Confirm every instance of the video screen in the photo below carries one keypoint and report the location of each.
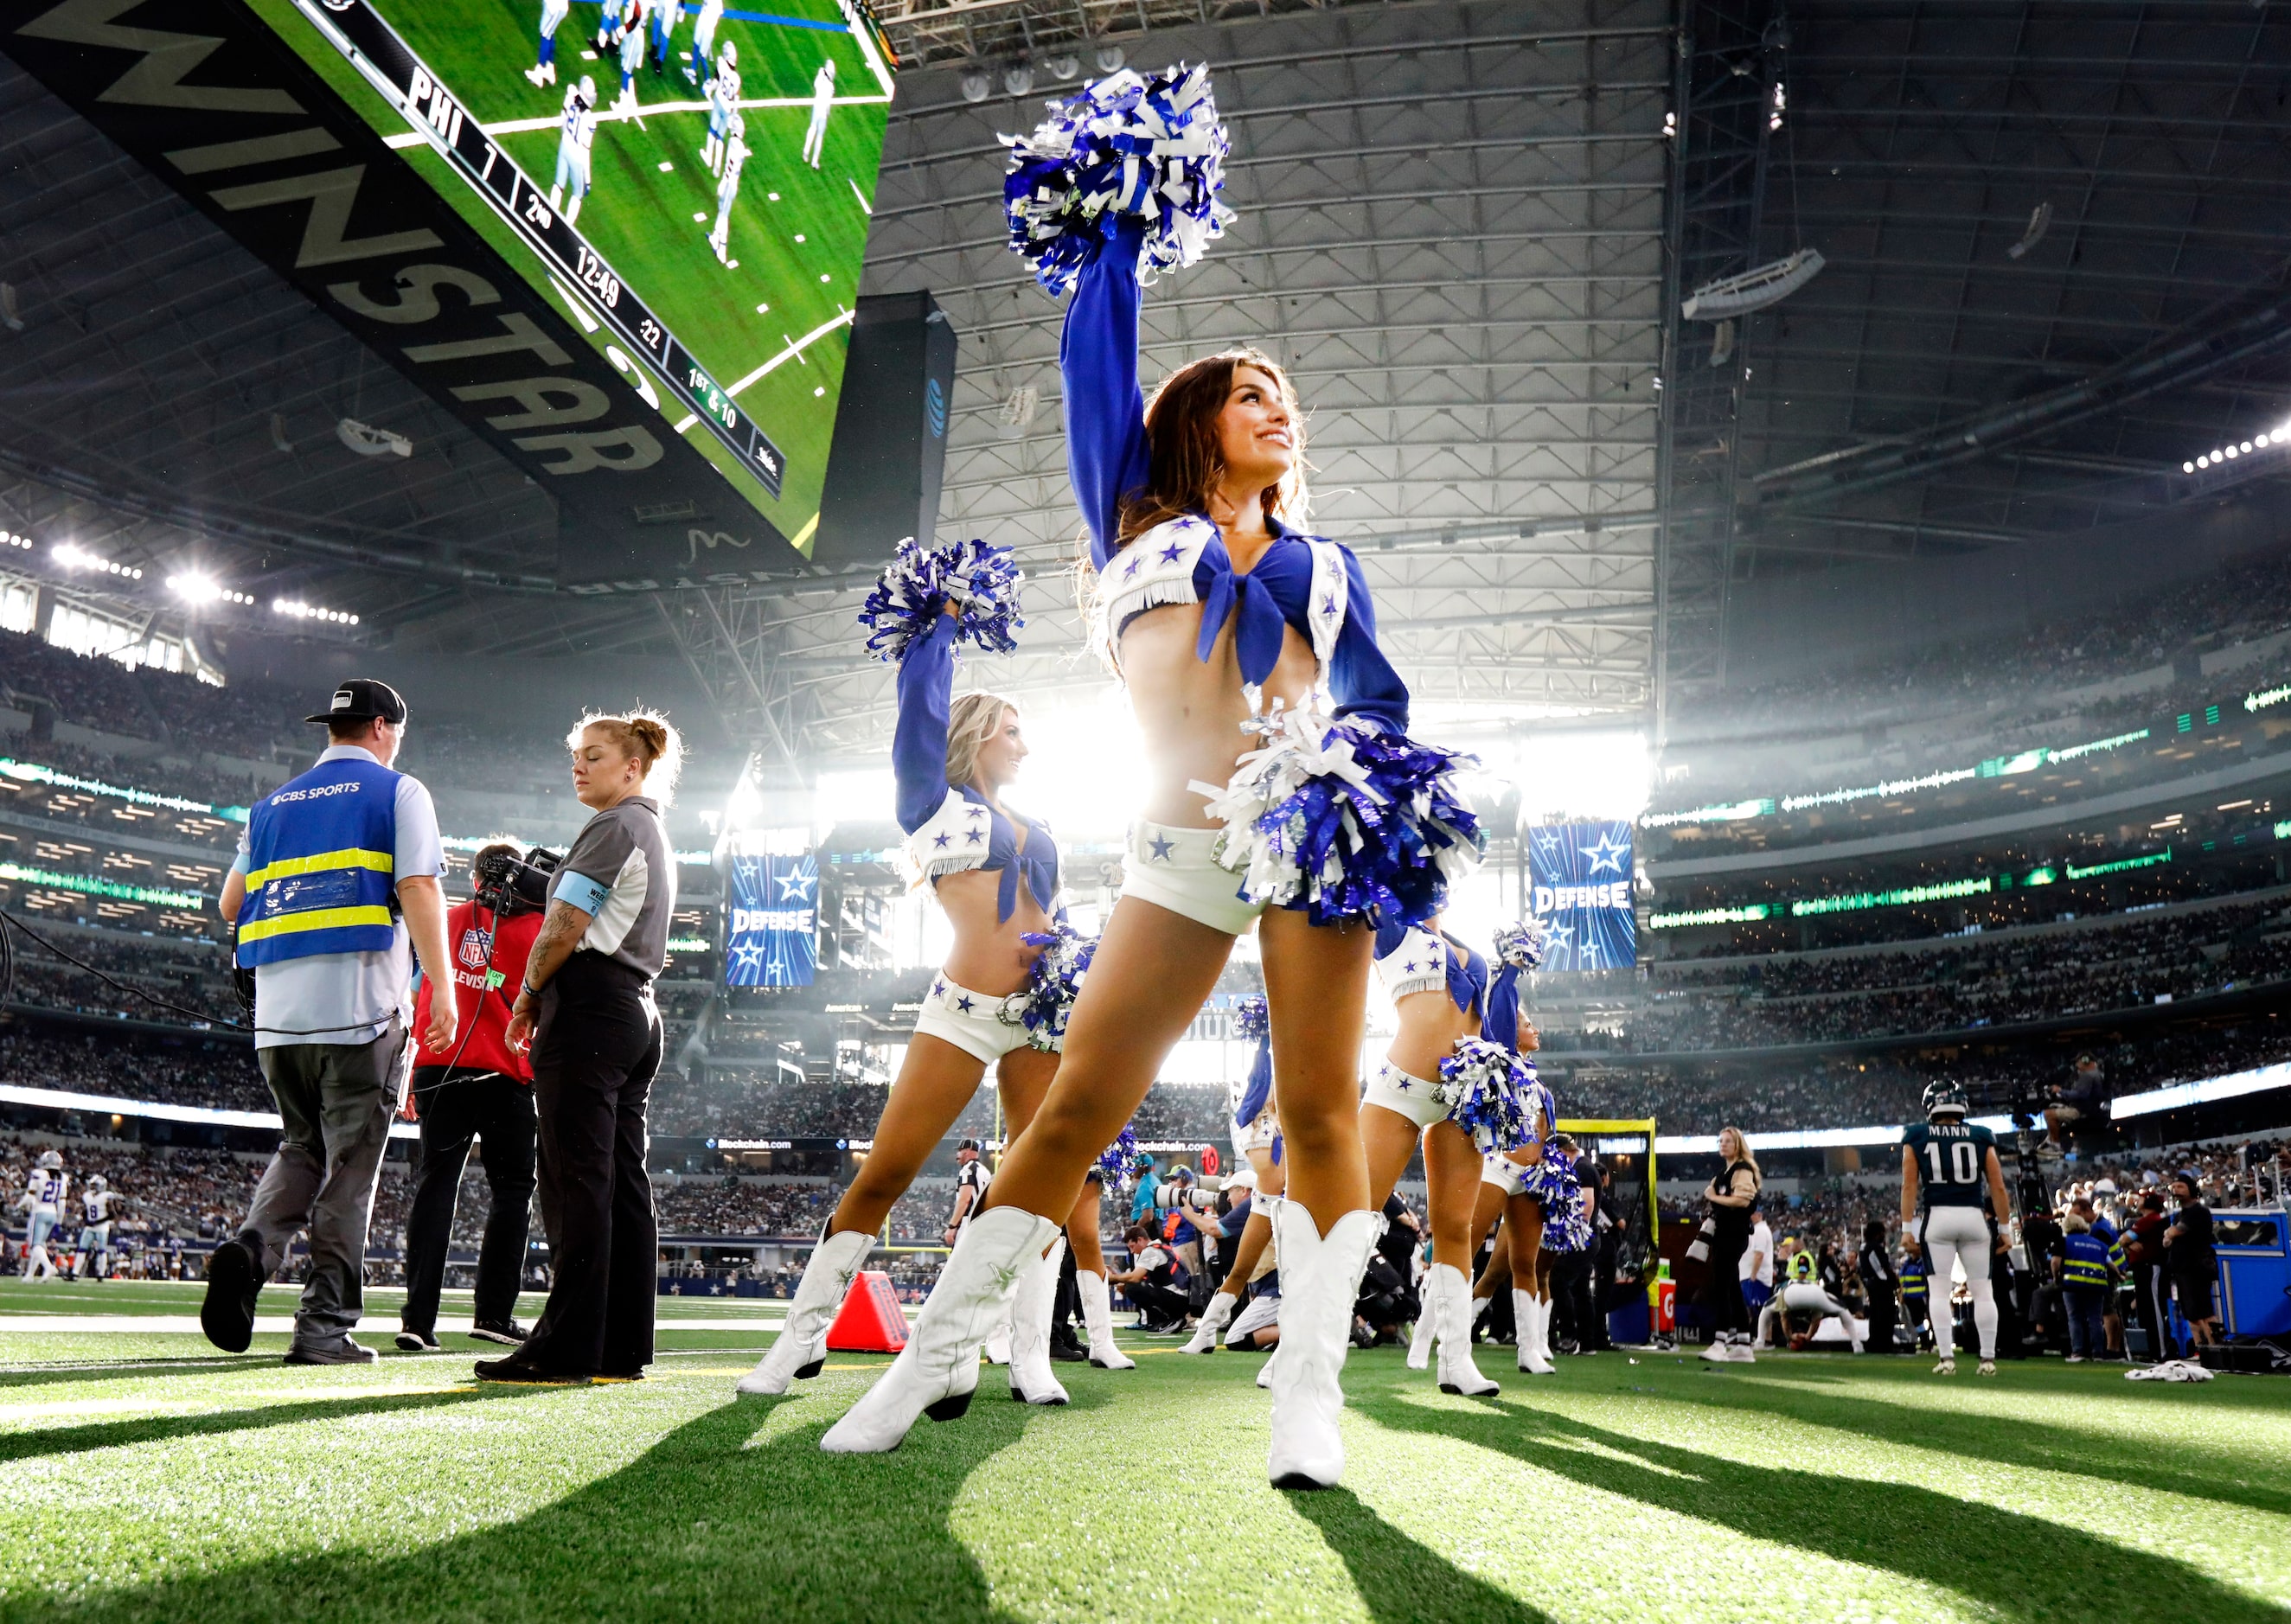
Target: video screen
(691, 183)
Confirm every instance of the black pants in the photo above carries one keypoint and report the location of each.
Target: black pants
(593, 1063)
(1722, 1291)
(1161, 1305)
(454, 1110)
(1572, 1314)
(1882, 1321)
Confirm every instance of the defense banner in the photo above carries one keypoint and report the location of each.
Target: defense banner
(771, 937)
(1580, 876)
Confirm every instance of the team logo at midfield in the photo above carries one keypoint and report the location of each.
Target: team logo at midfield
(476, 947)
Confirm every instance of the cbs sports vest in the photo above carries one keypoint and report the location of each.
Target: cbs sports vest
(321, 850)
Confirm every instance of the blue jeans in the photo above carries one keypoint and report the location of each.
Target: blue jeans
(2086, 1336)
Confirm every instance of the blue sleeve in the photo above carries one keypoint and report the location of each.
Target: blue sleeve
(919, 743)
(1502, 1025)
(1105, 409)
(1361, 677)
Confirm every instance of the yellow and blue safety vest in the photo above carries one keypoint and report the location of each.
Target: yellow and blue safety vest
(2083, 1261)
(320, 854)
(1913, 1280)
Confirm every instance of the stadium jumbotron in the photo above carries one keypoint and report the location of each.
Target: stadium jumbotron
(1510, 780)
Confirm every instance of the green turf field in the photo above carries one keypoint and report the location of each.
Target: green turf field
(153, 1479)
(797, 234)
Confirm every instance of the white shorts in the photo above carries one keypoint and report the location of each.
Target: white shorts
(1805, 1297)
(1421, 1100)
(1172, 868)
(969, 1020)
(1258, 1135)
(1502, 1174)
(1963, 1231)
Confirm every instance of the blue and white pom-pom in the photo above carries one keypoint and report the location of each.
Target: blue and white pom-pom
(1117, 1165)
(1489, 1086)
(1127, 144)
(1046, 1003)
(1521, 946)
(1252, 1019)
(1357, 823)
(980, 581)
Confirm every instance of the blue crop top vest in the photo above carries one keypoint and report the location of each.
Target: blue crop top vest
(950, 828)
(1314, 585)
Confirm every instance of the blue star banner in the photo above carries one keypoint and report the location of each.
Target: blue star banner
(772, 935)
(1580, 880)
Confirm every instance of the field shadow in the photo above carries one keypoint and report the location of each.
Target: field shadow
(79, 1437)
(124, 1370)
(2154, 1463)
(1400, 1580)
(2016, 1566)
(705, 1525)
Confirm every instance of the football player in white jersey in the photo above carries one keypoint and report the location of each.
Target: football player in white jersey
(578, 135)
(628, 42)
(552, 13)
(666, 15)
(94, 1244)
(822, 101)
(728, 189)
(723, 103)
(43, 1199)
(703, 40)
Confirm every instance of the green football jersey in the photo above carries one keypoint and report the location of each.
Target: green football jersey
(1952, 1161)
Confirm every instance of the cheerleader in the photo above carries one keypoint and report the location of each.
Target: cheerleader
(1001, 998)
(1083, 1230)
(1534, 1191)
(1257, 1142)
(1424, 1089)
(1231, 628)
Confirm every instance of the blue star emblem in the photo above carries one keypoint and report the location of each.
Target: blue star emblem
(1131, 568)
(796, 885)
(1329, 605)
(1406, 1083)
(1408, 967)
(1163, 846)
(938, 989)
(941, 840)
(973, 838)
(1608, 853)
(1170, 553)
(964, 1003)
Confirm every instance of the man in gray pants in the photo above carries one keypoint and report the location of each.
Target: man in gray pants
(337, 877)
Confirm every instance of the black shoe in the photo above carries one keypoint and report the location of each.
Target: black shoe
(418, 1342)
(1064, 1347)
(234, 1281)
(515, 1370)
(341, 1350)
(508, 1333)
(603, 1377)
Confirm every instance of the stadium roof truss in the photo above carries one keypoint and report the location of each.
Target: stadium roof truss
(1466, 225)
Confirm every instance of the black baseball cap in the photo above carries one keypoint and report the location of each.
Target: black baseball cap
(362, 699)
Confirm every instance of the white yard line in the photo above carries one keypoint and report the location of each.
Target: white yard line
(608, 115)
(181, 1324)
(795, 349)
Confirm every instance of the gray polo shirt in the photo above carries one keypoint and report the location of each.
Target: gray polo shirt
(349, 998)
(621, 873)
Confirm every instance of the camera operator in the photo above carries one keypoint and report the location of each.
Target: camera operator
(1150, 1283)
(477, 1086)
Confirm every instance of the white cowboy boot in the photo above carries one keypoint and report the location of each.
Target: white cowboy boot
(1320, 1280)
(1527, 1311)
(1097, 1318)
(937, 1371)
(998, 1338)
(1032, 1379)
(1213, 1320)
(802, 1345)
(1449, 1292)
(1420, 1340)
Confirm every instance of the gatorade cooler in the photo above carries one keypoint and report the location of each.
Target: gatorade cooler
(1663, 1294)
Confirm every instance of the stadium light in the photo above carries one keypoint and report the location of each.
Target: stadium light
(194, 588)
(11, 539)
(72, 556)
(294, 608)
(976, 85)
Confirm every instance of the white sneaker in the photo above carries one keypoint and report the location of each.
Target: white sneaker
(1743, 1351)
(1947, 1367)
(1987, 1367)
(1719, 1351)
(1213, 1320)
(2076, 1359)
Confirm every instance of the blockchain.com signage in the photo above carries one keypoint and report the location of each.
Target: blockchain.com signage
(772, 936)
(1580, 877)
